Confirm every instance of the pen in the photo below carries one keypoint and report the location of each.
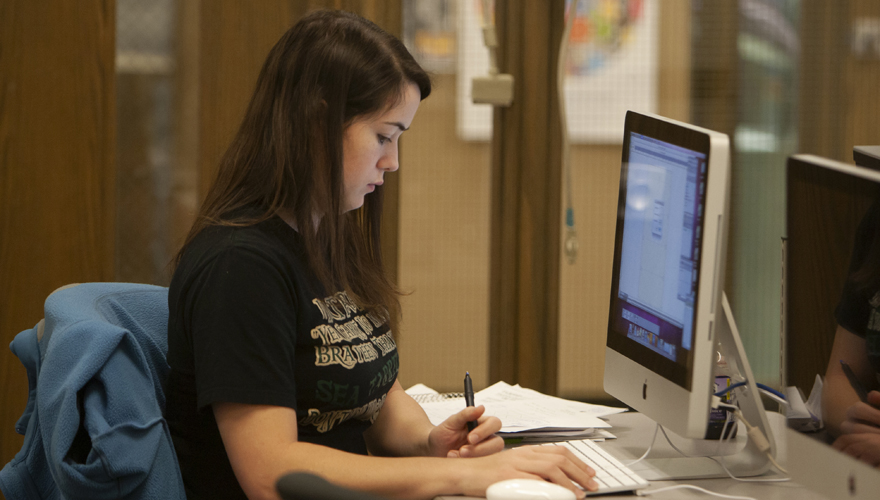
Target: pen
(854, 382)
(469, 398)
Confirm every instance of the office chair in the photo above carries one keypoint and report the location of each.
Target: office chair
(93, 424)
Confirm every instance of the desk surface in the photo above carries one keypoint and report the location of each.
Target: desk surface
(634, 432)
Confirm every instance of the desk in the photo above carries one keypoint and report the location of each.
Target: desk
(634, 431)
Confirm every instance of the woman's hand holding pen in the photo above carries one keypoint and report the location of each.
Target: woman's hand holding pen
(452, 438)
(860, 431)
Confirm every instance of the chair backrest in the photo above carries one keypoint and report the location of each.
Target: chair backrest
(96, 427)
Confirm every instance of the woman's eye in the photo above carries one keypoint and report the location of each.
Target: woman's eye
(383, 139)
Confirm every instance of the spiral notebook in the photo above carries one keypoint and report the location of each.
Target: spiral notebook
(437, 397)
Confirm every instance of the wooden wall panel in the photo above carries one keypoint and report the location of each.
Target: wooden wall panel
(839, 104)
(862, 96)
(57, 145)
(235, 38)
(526, 193)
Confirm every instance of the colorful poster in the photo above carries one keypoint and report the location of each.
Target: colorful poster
(611, 67)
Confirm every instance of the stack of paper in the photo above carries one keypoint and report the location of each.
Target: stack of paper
(524, 413)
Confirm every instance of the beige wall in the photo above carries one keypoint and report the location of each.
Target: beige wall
(444, 248)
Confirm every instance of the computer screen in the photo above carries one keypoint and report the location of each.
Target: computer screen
(660, 254)
(667, 274)
(828, 205)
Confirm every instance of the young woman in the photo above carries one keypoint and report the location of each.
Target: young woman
(281, 316)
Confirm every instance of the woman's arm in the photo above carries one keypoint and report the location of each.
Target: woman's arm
(403, 429)
(838, 396)
(262, 445)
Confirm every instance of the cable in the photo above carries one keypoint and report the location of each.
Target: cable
(754, 434)
(571, 243)
(771, 390)
(650, 446)
(644, 493)
(763, 387)
(759, 440)
(730, 388)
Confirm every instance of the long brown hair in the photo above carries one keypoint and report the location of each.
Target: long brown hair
(327, 70)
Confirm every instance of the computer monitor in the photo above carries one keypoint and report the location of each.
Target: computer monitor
(826, 202)
(668, 270)
(667, 312)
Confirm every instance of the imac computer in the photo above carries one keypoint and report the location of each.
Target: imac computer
(668, 317)
(826, 202)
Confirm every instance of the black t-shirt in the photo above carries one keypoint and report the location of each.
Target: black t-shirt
(250, 323)
(859, 310)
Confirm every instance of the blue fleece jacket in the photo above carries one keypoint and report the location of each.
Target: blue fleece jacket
(93, 424)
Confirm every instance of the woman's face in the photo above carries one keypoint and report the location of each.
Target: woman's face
(369, 147)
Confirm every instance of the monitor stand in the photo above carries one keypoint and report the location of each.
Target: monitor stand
(740, 455)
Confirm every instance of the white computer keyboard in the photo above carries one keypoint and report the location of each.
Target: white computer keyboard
(611, 475)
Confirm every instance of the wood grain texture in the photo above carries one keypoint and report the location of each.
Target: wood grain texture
(821, 126)
(57, 145)
(234, 40)
(526, 192)
(839, 105)
(824, 211)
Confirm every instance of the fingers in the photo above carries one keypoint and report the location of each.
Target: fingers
(853, 427)
(865, 447)
(558, 464)
(493, 444)
(468, 414)
(486, 428)
(862, 417)
(453, 440)
(482, 440)
(874, 398)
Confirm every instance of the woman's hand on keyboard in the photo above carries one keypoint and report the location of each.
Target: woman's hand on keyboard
(552, 463)
(452, 439)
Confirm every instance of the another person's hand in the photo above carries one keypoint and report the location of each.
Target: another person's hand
(551, 463)
(452, 438)
(865, 447)
(863, 418)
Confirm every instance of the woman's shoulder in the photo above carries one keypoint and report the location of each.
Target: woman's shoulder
(271, 239)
